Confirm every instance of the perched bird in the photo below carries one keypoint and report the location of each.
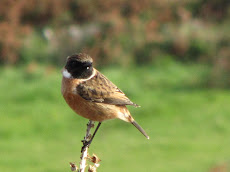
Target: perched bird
(91, 95)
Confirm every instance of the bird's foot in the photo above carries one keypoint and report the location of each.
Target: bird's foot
(85, 145)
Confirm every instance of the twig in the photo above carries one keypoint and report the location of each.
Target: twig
(85, 147)
(84, 153)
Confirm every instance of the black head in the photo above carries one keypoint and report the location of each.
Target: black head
(79, 66)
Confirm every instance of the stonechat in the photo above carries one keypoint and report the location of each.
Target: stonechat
(91, 95)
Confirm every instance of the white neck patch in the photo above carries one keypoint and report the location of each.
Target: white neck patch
(66, 74)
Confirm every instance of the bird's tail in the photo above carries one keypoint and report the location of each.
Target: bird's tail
(140, 129)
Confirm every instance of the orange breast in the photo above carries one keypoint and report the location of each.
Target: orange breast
(90, 110)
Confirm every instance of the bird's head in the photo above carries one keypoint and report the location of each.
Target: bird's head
(78, 66)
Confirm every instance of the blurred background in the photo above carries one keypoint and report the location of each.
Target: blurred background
(170, 57)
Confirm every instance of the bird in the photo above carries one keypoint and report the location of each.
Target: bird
(91, 95)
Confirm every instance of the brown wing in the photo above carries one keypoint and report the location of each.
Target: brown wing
(99, 89)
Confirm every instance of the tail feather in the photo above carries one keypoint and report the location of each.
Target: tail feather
(140, 129)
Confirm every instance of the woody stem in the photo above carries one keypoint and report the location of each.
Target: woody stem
(84, 149)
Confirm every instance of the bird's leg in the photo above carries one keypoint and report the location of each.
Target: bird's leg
(87, 143)
(98, 125)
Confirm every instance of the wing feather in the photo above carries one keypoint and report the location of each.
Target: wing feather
(101, 90)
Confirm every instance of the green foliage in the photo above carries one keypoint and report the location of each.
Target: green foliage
(187, 125)
(35, 48)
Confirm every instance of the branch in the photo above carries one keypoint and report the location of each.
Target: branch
(85, 148)
(84, 153)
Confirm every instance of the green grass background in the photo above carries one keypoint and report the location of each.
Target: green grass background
(188, 125)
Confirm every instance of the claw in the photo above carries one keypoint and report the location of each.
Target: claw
(85, 144)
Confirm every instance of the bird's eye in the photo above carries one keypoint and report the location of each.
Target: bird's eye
(87, 67)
